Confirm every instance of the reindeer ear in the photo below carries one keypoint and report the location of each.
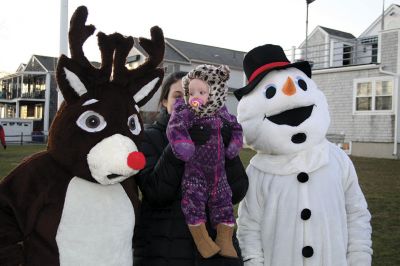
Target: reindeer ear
(69, 83)
(151, 84)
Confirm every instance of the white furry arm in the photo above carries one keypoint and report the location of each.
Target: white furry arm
(359, 249)
(251, 212)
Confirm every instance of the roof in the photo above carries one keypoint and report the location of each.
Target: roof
(206, 53)
(186, 52)
(173, 55)
(338, 33)
(50, 63)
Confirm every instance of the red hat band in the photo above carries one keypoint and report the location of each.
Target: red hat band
(265, 67)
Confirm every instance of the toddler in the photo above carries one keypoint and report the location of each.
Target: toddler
(204, 180)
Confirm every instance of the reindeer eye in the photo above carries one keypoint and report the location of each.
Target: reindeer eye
(91, 121)
(134, 124)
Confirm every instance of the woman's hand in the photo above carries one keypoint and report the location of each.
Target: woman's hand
(199, 134)
(226, 132)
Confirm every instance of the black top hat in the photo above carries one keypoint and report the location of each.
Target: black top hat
(261, 60)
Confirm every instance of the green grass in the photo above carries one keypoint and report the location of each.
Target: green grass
(378, 178)
(14, 154)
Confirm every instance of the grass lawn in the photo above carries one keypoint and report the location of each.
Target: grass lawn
(13, 155)
(378, 178)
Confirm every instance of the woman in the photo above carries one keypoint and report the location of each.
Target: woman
(162, 237)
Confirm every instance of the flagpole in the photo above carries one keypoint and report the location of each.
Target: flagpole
(63, 39)
(307, 2)
(383, 16)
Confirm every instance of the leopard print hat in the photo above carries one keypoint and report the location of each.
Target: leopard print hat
(216, 78)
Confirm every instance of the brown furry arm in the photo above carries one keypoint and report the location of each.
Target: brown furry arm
(11, 235)
(22, 195)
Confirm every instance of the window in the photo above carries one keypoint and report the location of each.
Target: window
(38, 111)
(374, 95)
(347, 51)
(24, 112)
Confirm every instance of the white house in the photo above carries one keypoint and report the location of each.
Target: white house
(30, 92)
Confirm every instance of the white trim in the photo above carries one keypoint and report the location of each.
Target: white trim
(17, 112)
(363, 34)
(345, 69)
(46, 106)
(379, 59)
(40, 63)
(15, 100)
(327, 60)
(373, 81)
(177, 50)
(311, 34)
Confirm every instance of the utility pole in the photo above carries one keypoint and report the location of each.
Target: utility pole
(308, 2)
(63, 39)
(383, 16)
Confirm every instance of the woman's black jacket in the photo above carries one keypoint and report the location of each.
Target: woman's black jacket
(161, 235)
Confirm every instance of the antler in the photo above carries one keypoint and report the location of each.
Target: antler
(78, 34)
(154, 47)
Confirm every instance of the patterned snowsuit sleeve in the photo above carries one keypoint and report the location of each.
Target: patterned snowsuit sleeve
(236, 142)
(177, 131)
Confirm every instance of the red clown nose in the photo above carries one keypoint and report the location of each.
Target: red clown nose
(136, 160)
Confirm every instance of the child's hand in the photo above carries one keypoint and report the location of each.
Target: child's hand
(199, 134)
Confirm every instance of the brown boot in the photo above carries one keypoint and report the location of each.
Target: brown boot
(224, 241)
(205, 245)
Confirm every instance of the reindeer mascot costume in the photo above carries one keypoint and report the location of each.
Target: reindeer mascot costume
(304, 206)
(75, 203)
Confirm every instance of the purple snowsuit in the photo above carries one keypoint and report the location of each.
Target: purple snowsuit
(204, 180)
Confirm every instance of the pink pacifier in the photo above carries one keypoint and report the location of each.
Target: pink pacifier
(196, 102)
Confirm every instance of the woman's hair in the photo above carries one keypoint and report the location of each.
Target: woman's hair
(166, 86)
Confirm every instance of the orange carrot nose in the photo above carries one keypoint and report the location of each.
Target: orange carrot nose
(289, 88)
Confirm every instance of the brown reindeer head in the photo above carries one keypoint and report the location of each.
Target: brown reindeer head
(96, 133)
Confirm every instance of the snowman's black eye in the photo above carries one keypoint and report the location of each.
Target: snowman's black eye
(270, 91)
(302, 84)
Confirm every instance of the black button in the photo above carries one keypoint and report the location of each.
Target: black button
(302, 177)
(307, 252)
(305, 214)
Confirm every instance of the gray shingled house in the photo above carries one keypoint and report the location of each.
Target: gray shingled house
(360, 78)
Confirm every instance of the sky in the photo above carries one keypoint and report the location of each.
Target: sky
(30, 27)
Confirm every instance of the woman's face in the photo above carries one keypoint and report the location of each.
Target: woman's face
(175, 91)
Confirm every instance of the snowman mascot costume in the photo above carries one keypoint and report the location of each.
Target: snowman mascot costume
(304, 206)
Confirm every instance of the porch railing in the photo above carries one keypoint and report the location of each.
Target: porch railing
(337, 53)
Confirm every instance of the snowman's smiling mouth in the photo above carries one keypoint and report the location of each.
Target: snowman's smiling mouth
(292, 117)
